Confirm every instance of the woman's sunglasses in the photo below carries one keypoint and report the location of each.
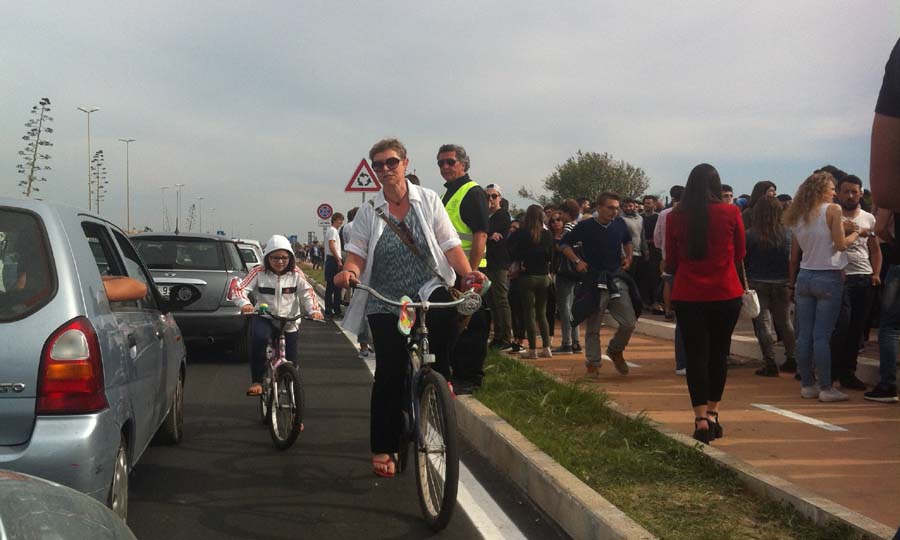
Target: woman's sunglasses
(391, 163)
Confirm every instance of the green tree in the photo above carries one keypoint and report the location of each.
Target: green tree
(588, 174)
(31, 155)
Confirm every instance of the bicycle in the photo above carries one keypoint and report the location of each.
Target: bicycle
(429, 419)
(282, 401)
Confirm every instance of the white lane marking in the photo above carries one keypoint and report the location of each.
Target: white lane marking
(489, 519)
(799, 417)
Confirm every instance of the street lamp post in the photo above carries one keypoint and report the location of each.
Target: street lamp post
(178, 204)
(88, 113)
(200, 208)
(165, 210)
(127, 186)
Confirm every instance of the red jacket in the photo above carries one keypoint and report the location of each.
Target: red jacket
(715, 277)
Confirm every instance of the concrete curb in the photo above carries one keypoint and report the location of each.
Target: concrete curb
(818, 509)
(572, 504)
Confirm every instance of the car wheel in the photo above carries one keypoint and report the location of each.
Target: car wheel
(172, 429)
(118, 488)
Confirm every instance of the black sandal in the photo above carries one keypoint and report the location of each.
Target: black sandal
(715, 428)
(701, 434)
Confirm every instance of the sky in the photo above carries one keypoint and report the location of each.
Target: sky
(264, 109)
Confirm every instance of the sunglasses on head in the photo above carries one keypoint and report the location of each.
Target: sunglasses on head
(448, 162)
(391, 163)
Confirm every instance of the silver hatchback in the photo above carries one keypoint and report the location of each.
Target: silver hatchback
(87, 376)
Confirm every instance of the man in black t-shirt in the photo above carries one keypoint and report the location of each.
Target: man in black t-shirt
(467, 207)
(603, 240)
(498, 269)
(884, 171)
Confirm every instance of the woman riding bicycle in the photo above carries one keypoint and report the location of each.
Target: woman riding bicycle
(386, 261)
(279, 283)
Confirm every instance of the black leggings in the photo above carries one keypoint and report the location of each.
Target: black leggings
(385, 425)
(707, 329)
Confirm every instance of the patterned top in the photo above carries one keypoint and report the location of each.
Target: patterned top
(396, 271)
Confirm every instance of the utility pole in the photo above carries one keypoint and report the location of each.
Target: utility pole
(200, 209)
(178, 215)
(127, 186)
(165, 210)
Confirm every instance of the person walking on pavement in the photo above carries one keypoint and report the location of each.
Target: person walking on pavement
(466, 204)
(885, 178)
(380, 255)
(533, 250)
(822, 237)
(768, 256)
(565, 285)
(603, 240)
(861, 277)
(704, 248)
(498, 269)
(333, 264)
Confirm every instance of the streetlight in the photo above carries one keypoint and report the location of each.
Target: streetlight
(127, 187)
(200, 208)
(178, 198)
(88, 113)
(165, 211)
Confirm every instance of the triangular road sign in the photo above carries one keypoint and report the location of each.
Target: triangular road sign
(363, 179)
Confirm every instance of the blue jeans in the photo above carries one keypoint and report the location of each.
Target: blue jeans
(261, 333)
(889, 328)
(565, 295)
(818, 297)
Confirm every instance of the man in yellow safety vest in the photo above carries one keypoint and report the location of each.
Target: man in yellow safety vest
(466, 203)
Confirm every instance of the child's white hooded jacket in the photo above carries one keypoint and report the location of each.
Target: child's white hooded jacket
(283, 293)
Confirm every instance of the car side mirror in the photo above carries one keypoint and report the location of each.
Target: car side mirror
(123, 289)
(181, 296)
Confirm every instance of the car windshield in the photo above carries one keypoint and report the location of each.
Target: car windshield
(180, 253)
(248, 256)
(27, 279)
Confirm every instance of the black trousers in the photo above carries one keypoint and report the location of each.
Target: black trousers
(467, 358)
(851, 323)
(332, 292)
(389, 388)
(707, 329)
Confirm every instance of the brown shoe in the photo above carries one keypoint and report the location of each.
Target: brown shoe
(592, 370)
(619, 361)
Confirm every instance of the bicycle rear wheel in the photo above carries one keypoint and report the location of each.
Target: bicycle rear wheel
(437, 453)
(286, 407)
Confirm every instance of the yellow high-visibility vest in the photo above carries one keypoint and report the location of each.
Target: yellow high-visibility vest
(463, 230)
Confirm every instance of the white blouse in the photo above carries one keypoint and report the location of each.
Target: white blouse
(368, 227)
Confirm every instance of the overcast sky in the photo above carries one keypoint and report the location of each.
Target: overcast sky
(265, 108)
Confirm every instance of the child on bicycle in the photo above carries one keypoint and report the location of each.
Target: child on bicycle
(279, 283)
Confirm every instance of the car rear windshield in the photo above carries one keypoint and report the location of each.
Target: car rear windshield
(180, 253)
(28, 278)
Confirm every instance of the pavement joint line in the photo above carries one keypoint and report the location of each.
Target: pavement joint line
(486, 515)
(799, 417)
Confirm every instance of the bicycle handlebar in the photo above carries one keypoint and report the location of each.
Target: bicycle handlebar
(470, 301)
(269, 314)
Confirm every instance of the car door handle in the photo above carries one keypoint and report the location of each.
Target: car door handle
(132, 341)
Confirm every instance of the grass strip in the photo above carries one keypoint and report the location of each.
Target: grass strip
(674, 491)
(317, 274)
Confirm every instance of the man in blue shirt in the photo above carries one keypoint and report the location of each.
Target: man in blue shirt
(604, 239)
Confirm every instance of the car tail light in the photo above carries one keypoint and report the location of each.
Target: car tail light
(70, 380)
(232, 289)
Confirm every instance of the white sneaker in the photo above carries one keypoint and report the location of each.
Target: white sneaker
(832, 395)
(530, 353)
(545, 353)
(809, 392)
(682, 371)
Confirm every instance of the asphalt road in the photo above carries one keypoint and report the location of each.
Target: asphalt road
(227, 481)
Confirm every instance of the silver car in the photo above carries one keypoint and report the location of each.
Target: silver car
(87, 377)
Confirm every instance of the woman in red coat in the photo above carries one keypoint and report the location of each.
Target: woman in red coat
(705, 246)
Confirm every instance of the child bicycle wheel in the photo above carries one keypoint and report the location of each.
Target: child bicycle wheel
(286, 406)
(264, 402)
(437, 453)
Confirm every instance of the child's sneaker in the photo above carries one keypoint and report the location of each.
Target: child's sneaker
(831, 395)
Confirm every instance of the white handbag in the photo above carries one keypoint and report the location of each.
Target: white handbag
(749, 300)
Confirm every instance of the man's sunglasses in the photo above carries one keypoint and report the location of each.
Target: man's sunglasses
(448, 162)
(493, 195)
(391, 163)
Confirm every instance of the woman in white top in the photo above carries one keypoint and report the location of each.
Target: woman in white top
(382, 259)
(820, 238)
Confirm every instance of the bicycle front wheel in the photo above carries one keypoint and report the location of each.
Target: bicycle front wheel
(286, 406)
(437, 453)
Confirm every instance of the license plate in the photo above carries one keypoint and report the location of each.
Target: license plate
(163, 291)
